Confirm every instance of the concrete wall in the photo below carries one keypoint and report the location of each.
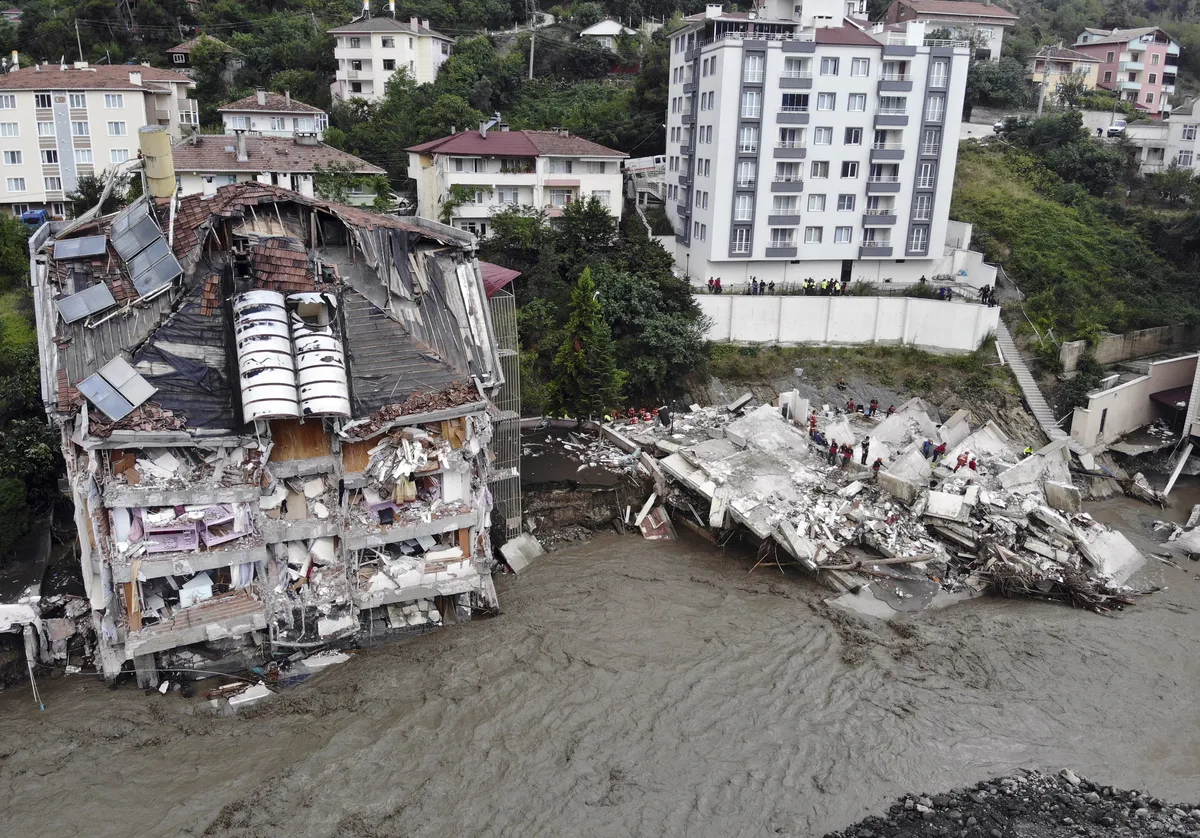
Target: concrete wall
(1112, 349)
(929, 324)
(1127, 406)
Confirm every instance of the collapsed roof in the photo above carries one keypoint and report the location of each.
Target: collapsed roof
(402, 300)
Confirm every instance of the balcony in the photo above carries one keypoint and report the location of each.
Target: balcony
(1131, 66)
(784, 183)
(747, 148)
(792, 115)
(883, 185)
(789, 220)
(682, 210)
(940, 80)
(687, 118)
(689, 86)
(871, 248)
(751, 113)
(926, 182)
(895, 83)
(685, 178)
(1129, 85)
(890, 116)
(353, 74)
(879, 217)
(795, 80)
(790, 151)
(1168, 89)
(752, 78)
(887, 151)
(931, 149)
(935, 116)
(781, 252)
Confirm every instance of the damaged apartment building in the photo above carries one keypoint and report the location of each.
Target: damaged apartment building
(276, 414)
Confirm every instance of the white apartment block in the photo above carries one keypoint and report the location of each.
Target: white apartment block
(798, 147)
(57, 125)
(501, 169)
(1171, 141)
(369, 51)
(273, 115)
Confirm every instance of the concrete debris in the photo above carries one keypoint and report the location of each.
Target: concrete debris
(918, 529)
(519, 552)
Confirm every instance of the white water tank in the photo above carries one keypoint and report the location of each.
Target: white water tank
(266, 368)
(320, 358)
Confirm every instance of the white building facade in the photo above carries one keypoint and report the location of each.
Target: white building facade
(1162, 143)
(500, 169)
(369, 51)
(58, 125)
(273, 115)
(801, 148)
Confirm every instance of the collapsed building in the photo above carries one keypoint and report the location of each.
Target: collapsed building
(276, 415)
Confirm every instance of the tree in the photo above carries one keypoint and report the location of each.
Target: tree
(586, 380)
(14, 514)
(586, 228)
(1071, 89)
(337, 181)
(14, 253)
(1173, 184)
(998, 84)
(584, 15)
(90, 188)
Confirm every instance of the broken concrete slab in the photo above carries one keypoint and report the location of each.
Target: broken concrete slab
(739, 403)
(1063, 497)
(1112, 554)
(250, 696)
(519, 552)
(955, 429)
(948, 507)
(899, 487)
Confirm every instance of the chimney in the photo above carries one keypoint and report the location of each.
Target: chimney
(453, 130)
(483, 129)
(413, 24)
(16, 59)
(210, 188)
(425, 23)
(262, 96)
(287, 98)
(239, 144)
(135, 77)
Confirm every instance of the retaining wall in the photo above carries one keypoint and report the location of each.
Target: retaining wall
(1112, 349)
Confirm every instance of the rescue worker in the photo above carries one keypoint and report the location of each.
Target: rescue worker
(962, 461)
(847, 455)
(973, 465)
(891, 409)
(1028, 452)
(866, 444)
(771, 287)
(710, 284)
(753, 287)
(850, 406)
(812, 422)
(833, 452)
(938, 453)
(927, 449)
(875, 466)
(874, 407)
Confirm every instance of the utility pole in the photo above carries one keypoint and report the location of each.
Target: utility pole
(1042, 87)
(531, 10)
(78, 42)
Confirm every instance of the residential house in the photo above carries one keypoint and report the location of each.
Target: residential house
(606, 32)
(370, 50)
(180, 57)
(273, 115)
(1053, 65)
(206, 162)
(1166, 142)
(800, 147)
(1139, 64)
(275, 417)
(58, 125)
(13, 16)
(499, 168)
(983, 24)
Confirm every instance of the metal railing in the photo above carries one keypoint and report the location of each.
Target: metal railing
(752, 113)
(753, 77)
(796, 74)
(745, 182)
(883, 179)
(759, 36)
(743, 215)
(895, 77)
(880, 211)
(947, 42)
(934, 116)
(931, 148)
(790, 144)
(748, 148)
(925, 182)
(887, 145)
(793, 109)
(788, 178)
(782, 243)
(876, 242)
(891, 111)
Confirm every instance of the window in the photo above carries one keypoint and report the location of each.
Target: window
(1189, 132)
(16, 184)
(752, 69)
(795, 103)
(8, 102)
(860, 67)
(849, 169)
(788, 172)
(796, 68)
(79, 129)
(812, 235)
(845, 203)
(1133, 76)
(791, 137)
(356, 87)
(278, 123)
(118, 155)
(19, 209)
(111, 100)
(78, 101)
(939, 73)
(748, 139)
(594, 167)
(53, 184)
(922, 207)
(934, 108)
(826, 101)
(560, 197)
(892, 104)
(783, 237)
(926, 177)
(387, 43)
(843, 235)
(822, 136)
(239, 123)
(355, 43)
(746, 173)
(743, 208)
(752, 104)
(858, 102)
(853, 136)
(741, 240)
(507, 195)
(829, 66)
(707, 162)
(10, 129)
(1110, 58)
(12, 158)
(179, 58)
(1108, 77)
(42, 100)
(1149, 98)
(557, 166)
(389, 64)
(1154, 62)
(412, 44)
(699, 231)
(931, 141)
(784, 205)
(1185, 158)
(356, 65)
(49, 156)
(58, 209)
(83, 155)
(604, 196)
(918, 240)
(1153, 77)
(820, 169)
(816, 203)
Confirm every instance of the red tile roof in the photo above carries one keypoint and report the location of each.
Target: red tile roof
(958, 7)
(279, 266)
(95, 77)
(215, 153)
(516, 144)
(276, 103)
(187, 46)
(845, 36)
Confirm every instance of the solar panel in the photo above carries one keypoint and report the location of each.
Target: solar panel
(137, 238)
(128, 216)
(102, 394)
(141, 263)
(86, 302)
(161, 273)
(80, 248)
(127, 381)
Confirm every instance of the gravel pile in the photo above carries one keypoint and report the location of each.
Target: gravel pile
(1033, 805)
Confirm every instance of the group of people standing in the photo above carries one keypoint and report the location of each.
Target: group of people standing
(844, 451)
(987, 296)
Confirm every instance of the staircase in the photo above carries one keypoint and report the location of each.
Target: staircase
(1033, 396)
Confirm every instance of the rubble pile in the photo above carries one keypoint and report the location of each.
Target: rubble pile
(1033, 804)
(896, 508)
(145, 417)
(587, 450)
(455, 395)
(183, 468)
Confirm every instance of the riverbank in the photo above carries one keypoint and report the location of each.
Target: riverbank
(637, 688)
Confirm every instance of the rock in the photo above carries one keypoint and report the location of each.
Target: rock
(1092, 797)
(1107, 821)
(1070, 776)
(922, 808)
(995, 833)
(1142, 812)
(924, 801)
(977, 796)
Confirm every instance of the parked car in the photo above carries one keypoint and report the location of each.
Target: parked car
(1117, 129)
(1004, 124)
(33, 219)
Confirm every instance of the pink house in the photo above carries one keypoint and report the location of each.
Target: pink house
(1140, 64)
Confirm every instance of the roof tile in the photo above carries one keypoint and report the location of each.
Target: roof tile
(521, 143)
(95, 77)
(215, 153)
(275, 103)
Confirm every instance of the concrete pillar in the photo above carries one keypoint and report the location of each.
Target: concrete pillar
(147, 672)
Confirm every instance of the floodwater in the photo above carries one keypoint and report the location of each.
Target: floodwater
(632, 688)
